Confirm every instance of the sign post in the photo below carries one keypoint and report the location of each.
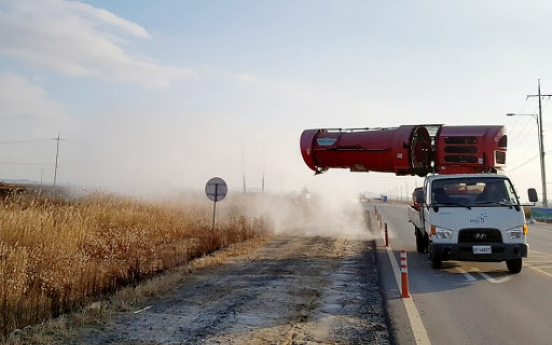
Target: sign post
(216, 190)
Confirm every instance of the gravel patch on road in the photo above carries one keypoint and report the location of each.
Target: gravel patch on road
(293, 290)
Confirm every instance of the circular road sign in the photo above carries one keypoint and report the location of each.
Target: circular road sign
(216, 189)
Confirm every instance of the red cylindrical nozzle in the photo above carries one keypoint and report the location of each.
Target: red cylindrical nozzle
(404, 150)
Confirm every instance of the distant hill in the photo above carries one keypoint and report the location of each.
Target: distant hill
(371, 195)
(18, 181)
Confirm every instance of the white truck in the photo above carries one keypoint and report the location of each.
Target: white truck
(470, 217)
(457, 216)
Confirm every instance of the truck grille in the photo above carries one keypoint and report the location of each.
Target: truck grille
(479, 236)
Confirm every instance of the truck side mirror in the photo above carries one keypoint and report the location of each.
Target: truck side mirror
(420, 197)
(532, 194)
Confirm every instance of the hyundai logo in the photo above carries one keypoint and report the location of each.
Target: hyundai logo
(479, 236)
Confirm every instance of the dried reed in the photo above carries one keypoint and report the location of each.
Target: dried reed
(57, 255)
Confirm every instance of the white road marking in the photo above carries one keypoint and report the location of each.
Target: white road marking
(466, 274)
(491, 279)
(418, 328)
(540, 270)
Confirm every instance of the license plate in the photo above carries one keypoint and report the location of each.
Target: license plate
(482, 249)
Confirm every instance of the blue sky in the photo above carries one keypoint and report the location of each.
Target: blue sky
(158, 95)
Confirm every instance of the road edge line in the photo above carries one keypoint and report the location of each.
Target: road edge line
(418, 328)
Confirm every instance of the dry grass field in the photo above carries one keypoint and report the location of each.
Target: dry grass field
(58, 254)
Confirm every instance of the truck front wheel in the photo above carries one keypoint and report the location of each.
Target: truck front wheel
(514, 265)
(436, 262)
(420, 241)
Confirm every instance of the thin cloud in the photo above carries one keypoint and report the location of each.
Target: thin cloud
(27, 113)
(22, 99)
(77, 39)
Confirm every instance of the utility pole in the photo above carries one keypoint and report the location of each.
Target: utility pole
(263, 181)
(264, 168)
(541, 148)
(57, 155)
(401, 195)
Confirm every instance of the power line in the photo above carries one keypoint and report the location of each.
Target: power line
(526, 162)
(514, 137)
(23, 141)
(541, 146)
(517, 120)
(527, 133)
(523, 145)
(57, 139)
(22, 163)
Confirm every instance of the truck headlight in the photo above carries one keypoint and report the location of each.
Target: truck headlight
(515, 234)
(443, 234)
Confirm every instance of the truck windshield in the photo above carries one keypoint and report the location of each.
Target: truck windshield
(474, 191)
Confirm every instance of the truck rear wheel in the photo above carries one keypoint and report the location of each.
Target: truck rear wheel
(514, 265)
(420, 241)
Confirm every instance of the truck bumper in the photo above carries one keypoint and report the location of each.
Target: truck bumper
(464, 251)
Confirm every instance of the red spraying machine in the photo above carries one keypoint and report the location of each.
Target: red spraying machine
(407, 150)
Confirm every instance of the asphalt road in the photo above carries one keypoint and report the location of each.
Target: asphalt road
(473, 302)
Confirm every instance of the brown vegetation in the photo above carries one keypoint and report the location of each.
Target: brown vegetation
(57, 255)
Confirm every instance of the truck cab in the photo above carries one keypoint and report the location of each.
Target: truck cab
(470, 217)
